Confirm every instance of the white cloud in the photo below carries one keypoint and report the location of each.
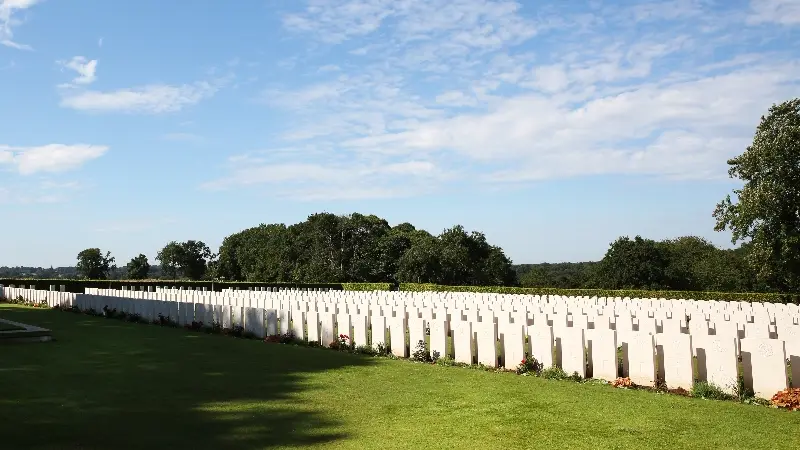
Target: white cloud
(52, 158)
(151, 99)
(497, 92)
(9, 10)
(331, 181)
(85, 69)
(784, 12)
(455, 98)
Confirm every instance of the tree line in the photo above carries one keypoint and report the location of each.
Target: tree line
(687, 263)
(326, 248)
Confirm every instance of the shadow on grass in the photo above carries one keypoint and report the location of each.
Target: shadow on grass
(107, 384)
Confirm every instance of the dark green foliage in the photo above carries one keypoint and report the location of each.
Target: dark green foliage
(93, 265)
(367, 286)
(634, 263)
(358, 249)
(687, 263)
(188, 259)
(559, 275)
(138, 268)
(631, 293)
(766, 213)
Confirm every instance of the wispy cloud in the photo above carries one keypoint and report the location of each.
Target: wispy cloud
(83, 67)
(146, 99)
(9, 19)
(42, 193)
(329, 179)
(512, 93)
(52, 158)
(783, 12)
(150, 99)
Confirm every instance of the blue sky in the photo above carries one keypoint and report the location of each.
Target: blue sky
(553, 127)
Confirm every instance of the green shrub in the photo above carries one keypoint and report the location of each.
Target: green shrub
(528, 366)
(688, 295)
(367, 286)
(449, 362)
(383, 349)
(702, 389)
(423, 354)
(554, 373)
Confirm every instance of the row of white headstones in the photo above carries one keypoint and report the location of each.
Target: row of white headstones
(677, 341)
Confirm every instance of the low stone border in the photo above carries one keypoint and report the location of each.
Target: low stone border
(28, 333)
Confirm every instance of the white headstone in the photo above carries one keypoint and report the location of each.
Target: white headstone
(254, 321)
(462, 341)
(541, 344)
(674, 357)
(764, 366)
(573, 357)
(272, 322)
(438, 337)
(378, 331)
(312, 318)
(602, 345)
(642, 359)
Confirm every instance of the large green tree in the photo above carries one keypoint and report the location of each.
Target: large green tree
(634, 264)
(138, 268)
(93, 265)
(185, 259)
(766, 211)
(360, 248)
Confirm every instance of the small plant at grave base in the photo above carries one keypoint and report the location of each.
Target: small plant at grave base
(235, 331)
(383, 349)
(660, 385)
(287, 338)
(216, 328)
(344, 343)
(529, 366)
(788, 399)
(366, 350)
(741, 392)
(165, 321)
(421, 353)
(447, 362)
(135, 318)
(195, 326)
(623, 383)
(334, 345)
(435, 355)
(554, 373)
(702, 389)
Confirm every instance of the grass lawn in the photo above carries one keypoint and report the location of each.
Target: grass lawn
(107, 384)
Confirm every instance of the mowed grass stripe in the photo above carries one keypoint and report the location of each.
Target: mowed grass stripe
(110, 384)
